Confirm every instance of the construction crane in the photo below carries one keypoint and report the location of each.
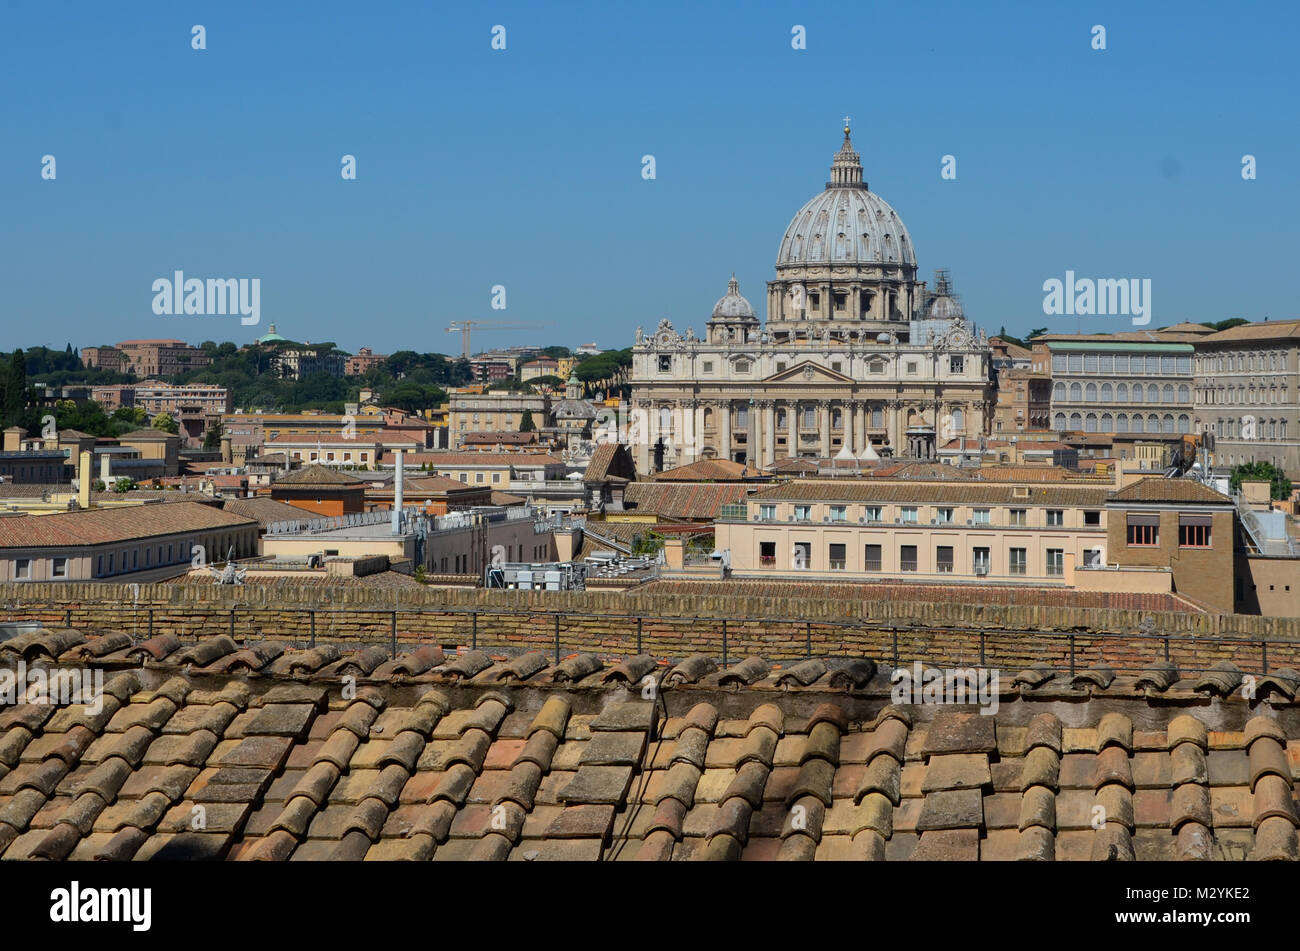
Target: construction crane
(463, 327)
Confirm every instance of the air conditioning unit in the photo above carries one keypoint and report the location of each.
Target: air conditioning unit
(789, 518)
(826, 519)
(898, 521)
(934, 521)
(981, 569)
(970, 521)
(863, 520)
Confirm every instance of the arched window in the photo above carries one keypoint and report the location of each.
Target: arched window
(1076, 392)
(1058, 422)
(1153, 393)
(958, 421)
(780, 419)
(1137, 422)
(837, 419)
(1107, 423)
(1183, 393)
(1121, 423)
(1076, 421)
(1121, 393)
(877, 418)
(1058, 391)
(1167, 423)
(1184, 424)
(1090, 393)
(1168, 393)
(1107, 395)
(1090, 424)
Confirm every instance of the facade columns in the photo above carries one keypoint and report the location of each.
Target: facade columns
(824, 409)
(724, 429)
(849, 416)
(792, 423)
(641, 427)
(697, 413)
(769, 433)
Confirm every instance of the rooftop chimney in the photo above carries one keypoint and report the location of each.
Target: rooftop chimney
(83, 480)
(105, 468)
(397, 492)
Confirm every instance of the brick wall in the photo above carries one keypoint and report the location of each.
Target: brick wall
(670, 625)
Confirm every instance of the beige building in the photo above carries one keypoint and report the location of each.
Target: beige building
(497, 411)
(856, 359)
(952, 532)
(136, 543)
(1248, 394)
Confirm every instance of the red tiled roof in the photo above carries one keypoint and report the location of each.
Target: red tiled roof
(512, 756)
(105, 526)
(1169, 490)
(696, 500)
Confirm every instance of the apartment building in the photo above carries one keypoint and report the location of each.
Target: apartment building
(321, 490)
(361, 361)
(495, 412)
(1177, 524)
(137, 543)
(1114, 383)
(1247, 393)
(153, 358)
(1024, 392)
(361, 452)
(495, 469)
(836, 528)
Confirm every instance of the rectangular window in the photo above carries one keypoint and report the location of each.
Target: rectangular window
(1185, 366)
(1107, 363)
(1144, 531)
(907, 558)
(767, 513)
(1121, 363)
(665, 364)
(839, 513)
(1091, 518)
(22, 568)
(802, 554)
(1167, 366)
(981, 517)
(1018, 561)
(943, 516)
(911, 367)
(836, 557)
(1055, 518)
(99, 565)
(708, 366)
(1058, 363)
(767, 554)
(981, 561)
(496, 477)
(809, 418)
(1055, 561)
(872, 561)
(873, 513)
(1194, 531)
(943, 559)
(59, 568)
(1090, 363)
(909, 513)
(1092, 558)
(802, 513)
(1076, 363)
(956, 364)
(1017, 517)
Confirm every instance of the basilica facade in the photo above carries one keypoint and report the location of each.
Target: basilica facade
(857, 359)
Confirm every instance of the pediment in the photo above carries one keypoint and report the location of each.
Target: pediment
(806, 371)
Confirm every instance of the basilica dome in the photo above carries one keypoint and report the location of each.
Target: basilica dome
(846, 224)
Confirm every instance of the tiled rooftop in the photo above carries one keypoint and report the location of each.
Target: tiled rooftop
(210, 751)
(99, 526)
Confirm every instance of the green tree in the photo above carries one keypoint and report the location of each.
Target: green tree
(1036, 332)
(1279, 484)
(526, 424)
(212, 438)
(15, 388)
(123, 485)
(166, 423)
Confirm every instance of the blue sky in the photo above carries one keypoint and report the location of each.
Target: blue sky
(522, 167)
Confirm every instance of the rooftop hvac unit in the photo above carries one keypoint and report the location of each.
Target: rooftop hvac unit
(981, 569)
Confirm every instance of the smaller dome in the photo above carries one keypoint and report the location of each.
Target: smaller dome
(732, 305)
(271, 337)
(944, 305)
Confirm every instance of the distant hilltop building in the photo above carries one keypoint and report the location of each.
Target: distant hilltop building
(146, 358)
(856, 360)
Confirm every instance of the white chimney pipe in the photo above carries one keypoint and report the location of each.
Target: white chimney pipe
(104, 468)
(397, 493)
